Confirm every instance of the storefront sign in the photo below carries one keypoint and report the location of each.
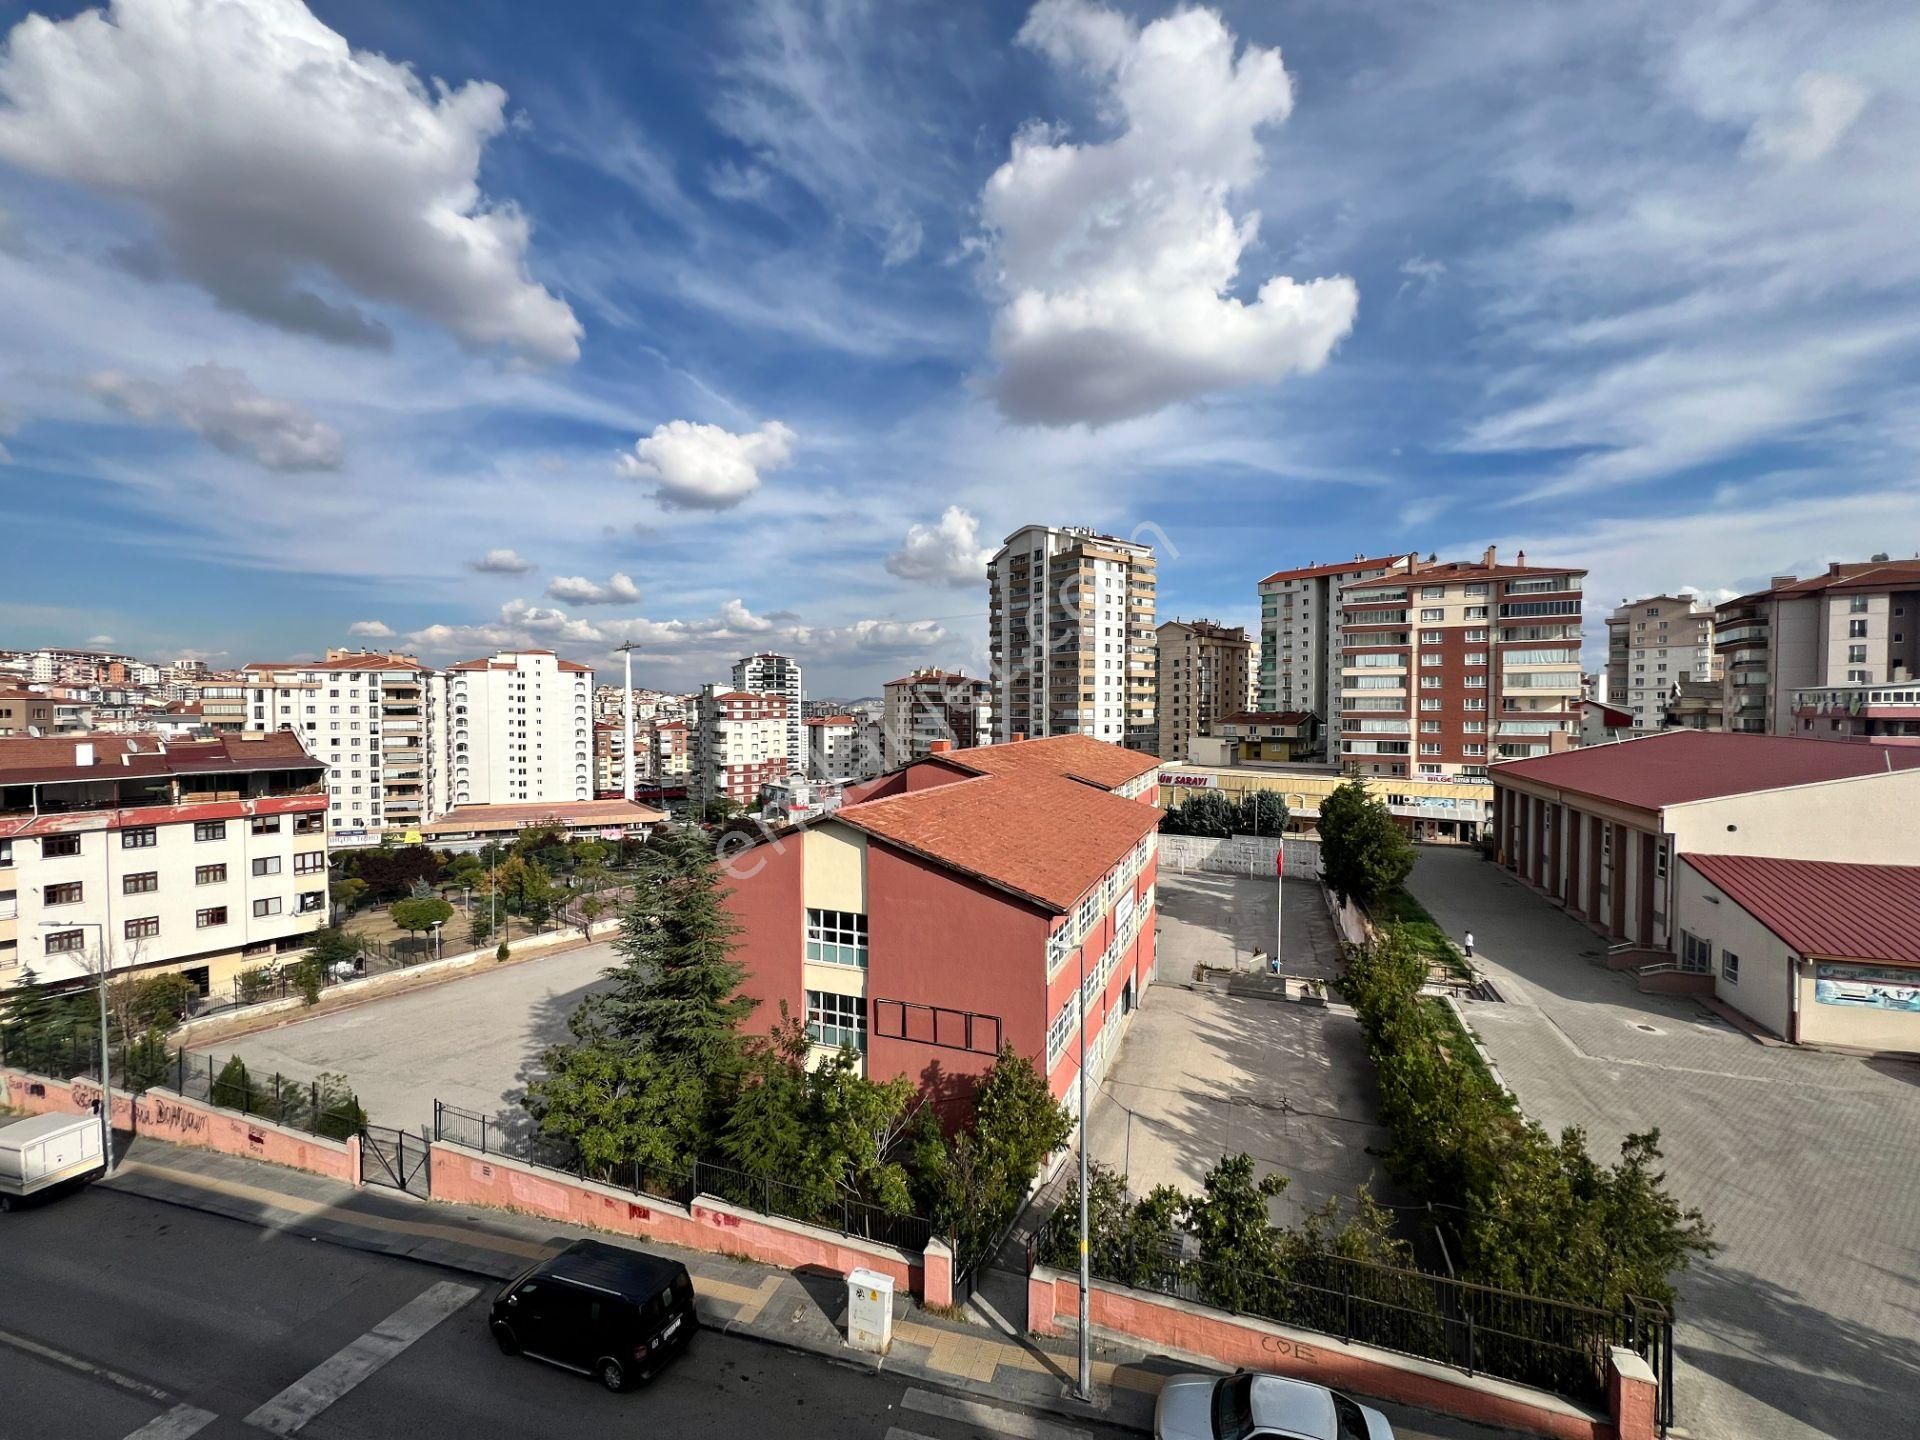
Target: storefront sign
(1181, 781)
(1867, 987)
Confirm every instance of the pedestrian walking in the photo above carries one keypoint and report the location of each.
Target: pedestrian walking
(1469, 944)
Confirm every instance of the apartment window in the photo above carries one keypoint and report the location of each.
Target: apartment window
(308, 824)
(143, 883)
(66, 942)
(1476, 612)
(68, 894)
(837, 937)
(1430, 704)
(1430, 637)
(1429, 747)
(1433, 614)
(141, 837)
(1476, 657)
(1857, 604)
(210, 830)
(209, 874)
(55, 846)
(1474, 704)
(1429, 727)
(311, 902)
(1859, 677)
(836, 1020)
(269, 906)
(1431, 682)
(266, 865)
(1729, 967)
(147, 927)
(1473, 727)
(1856, 654)
(310, 862)
(213, 915)
(1475, 637)
(266, 825)
(1431, 658)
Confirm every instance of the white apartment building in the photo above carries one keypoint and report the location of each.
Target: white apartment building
(367, 714)
(204, 857)
(515, 729)
(830, 745)
(1301, 654)
(739, 745)
(1651, 644)
(1070, 631)
(771, 674)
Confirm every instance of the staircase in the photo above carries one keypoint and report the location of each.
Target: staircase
(1657, 972)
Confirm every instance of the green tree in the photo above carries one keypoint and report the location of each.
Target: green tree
(479, 926)
(346, 893)
(334, 946)
(234, 1088)
(150, 1002)
(1363, 853)
(414, 915)
(592, 907)
(1242, 1261)
(1203, 812)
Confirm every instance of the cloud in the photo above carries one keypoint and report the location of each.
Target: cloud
(578, 590)
(1823, 110)
(1114, 261)
(729, 181)
(223, 406)
(99, 640)
(501, 562)
(702, 467)
(263, 147)
(737, 617)
(371, 629)
(1422, 275)
(948, 553)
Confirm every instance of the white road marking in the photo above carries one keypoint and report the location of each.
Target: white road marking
(177, 1424)
(334, 1377)
(85, 1367)
(994, 1419)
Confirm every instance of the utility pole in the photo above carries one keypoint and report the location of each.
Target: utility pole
(1279, 899)
(1086, 1349)
(626, 784)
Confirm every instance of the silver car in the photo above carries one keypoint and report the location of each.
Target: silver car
(1261, 1407)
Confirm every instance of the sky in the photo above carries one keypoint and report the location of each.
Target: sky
(721, 328)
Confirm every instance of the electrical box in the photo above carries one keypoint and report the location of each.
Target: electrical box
(869, 1311)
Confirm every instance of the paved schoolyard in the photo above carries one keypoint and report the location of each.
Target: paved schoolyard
(1807, 1322)
(471, 1042)
(1201, 1073)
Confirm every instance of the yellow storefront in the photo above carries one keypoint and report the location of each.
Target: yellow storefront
(1439, 810)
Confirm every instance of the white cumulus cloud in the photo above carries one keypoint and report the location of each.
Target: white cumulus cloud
(371, 629)
(703, 467)
(264, 147)
(501, 562)
(735, 616)
(1114, 260)
(578, 590)
(949, 553)
(223, 406)
(1823, 110)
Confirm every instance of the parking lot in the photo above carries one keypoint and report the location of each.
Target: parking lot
(1204, 1073)
(1807, 1323)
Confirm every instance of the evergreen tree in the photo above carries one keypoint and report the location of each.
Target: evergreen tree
(1363, 854)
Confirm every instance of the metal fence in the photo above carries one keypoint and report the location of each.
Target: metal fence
(761, 1194)
(319, 1107)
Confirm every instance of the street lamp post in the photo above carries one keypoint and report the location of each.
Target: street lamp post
(106, 1063)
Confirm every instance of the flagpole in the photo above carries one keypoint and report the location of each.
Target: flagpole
(1279, 901)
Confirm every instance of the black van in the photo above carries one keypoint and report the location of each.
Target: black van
(602, 1310)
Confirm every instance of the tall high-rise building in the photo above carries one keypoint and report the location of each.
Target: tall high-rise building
(1653, 643)
(1070, 617)
(515, 729)
(1205, 672)
(771, 674)
(929, 705)
(739, 745)
(1300, 650)
(1450, 665)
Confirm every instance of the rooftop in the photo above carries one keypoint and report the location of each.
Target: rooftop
(831, 720)
(1679, 766)
(1342, 567)
(559, 812)
(1069, 757)
(1820, 908)
(1867, 575)
(937, 677)
(31, 760)
(368, 661)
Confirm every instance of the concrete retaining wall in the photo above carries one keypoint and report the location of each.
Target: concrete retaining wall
(1236, 1341)
(1239, 854)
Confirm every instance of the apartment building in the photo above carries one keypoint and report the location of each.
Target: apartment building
(1834, 654)
(25, 712)
(830, 745)
(204, 857)
(771, 674)
(1447, 665)
(363, 712)
(1253, 737)
(929, 705)
(1070, 630)
(1300, 643)
(1204, 671)
(739, 745)
(953, 906)
(1652, 643)
(671, 744)
(512, 730)
(609, 758)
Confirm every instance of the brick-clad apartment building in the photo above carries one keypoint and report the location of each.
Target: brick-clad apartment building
(1446, 666)
(739, 745)
(947, 908)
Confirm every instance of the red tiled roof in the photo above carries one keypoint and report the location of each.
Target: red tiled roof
(1825, 909)
(831, 720)
(28, 760)
(1867, 575)
(1465, 570)
(1071, 757)
(1310, 572)
(1677, 766)
(559, 812)
(345, 662)
(937, 677)
(1040, 836)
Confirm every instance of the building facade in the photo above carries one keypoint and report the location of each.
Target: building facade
(1300, 643)
(1652, 644)
(1070, 629)
(511, 730)
(25, 712)
(830, 740)
(1450, 665)
(203, 857)
(930, 705)
(1203, 671)
(739, 746)
(672, 746)
(1253, 737)
(771, 674)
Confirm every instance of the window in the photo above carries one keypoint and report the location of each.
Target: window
(210, 830)
(213, 915)
(1696, 955)
(268, 906)
(141, 837)
(1425, 704)
(310, 862)
(209, 874)
(1433, 614)
(266, 825)
(1856, 654)
(837, 937)
(67, 894)
(1729, 967)
(66, 942)
(266, 865)
(57, 845)
(311, 902)
(145, 928)
(1857, 604)
(1431, 682)
(1430, 637)
(143, 883)
(836, 1020)
(1429, 727)
(308, 824)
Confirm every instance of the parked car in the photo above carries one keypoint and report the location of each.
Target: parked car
(44, 1151)
(1261, 1407)
(602, 1310)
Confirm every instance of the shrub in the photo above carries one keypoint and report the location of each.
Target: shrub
(502, 953)
(255, 983)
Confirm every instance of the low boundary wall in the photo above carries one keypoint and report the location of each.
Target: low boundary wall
(1239, 854)
(1230, 1341)
(166, 1116)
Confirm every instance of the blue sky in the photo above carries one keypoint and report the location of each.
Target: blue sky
(756, 325)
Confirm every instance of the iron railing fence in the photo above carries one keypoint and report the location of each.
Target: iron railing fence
(762, 1194)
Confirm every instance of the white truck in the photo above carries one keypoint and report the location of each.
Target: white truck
(47, 1150)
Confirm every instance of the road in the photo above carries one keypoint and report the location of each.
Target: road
(128, 1319)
